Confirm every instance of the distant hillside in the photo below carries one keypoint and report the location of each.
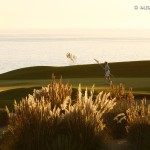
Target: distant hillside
(120, 69)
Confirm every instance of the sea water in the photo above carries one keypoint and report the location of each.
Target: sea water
(19, 50)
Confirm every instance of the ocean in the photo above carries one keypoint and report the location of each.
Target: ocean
(19, 50)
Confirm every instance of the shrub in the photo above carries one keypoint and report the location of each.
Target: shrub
(51, 121)
(116, 129)
(6, 140)
(138, 128)
(119, 92)
(138, 125)
(138, 135)
(124, 100)
(85, 119)
(3, 117)
(55, 93)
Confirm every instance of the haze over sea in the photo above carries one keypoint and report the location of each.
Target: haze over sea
(49, 47)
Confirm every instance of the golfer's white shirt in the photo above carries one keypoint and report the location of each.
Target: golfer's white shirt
(107, 73)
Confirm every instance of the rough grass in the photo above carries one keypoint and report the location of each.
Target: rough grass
(53, 121)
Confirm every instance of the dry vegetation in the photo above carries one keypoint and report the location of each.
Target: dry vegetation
(49, 119)
(137, 118)
(3, 117)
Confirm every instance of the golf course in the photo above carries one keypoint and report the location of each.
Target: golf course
(17, 84)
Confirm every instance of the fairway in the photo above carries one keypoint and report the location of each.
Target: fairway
(138, 84)
(16, 89)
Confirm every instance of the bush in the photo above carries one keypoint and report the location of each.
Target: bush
(49, 120)
(3, 117)
(116, 130)
(138, 136)
(124, 101)
(6, 140)
(138, 125)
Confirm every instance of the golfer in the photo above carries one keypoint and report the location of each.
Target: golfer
(107, 72)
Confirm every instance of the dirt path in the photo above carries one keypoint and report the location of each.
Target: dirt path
(121, 144)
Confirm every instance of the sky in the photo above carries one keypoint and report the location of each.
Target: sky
(17, 14)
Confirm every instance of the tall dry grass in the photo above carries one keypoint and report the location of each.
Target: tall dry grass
(138, 125)
(49, 119)
(124, 100)
(55, 93)
(120, 93)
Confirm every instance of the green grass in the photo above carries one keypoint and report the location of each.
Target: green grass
(121, 69)
(138, 84)
(7, 97)
(17, 89)
(19, 83)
